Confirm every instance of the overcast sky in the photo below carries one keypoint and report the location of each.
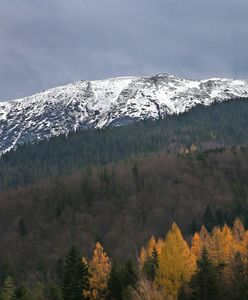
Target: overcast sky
(45, 43)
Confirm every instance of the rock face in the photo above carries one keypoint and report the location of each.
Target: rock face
(111, 102)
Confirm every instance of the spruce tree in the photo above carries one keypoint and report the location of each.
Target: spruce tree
(151, 265)
(75, 276)
(115, 283)
(204, 282)
(129, 274)
(121, 281)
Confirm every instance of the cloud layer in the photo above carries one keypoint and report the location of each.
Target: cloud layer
(45, 43)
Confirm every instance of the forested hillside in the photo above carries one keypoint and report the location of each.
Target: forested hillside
(221, 124)
(116, 188)
(121, 205)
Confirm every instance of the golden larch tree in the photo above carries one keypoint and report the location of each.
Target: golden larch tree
(197, 245)
(176, 264)
(222, 247)
(147, 251)
(239, 236)
(99, 270)
(205, 236)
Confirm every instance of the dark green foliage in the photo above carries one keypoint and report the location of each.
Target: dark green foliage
(205, 282)
(115, 283)
(75, 276)
(221, 123)
(121, 280)
(129, 274)
(151, 265)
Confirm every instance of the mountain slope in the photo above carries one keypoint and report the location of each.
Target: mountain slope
(121, 205)
(219, 125)
(102, 103)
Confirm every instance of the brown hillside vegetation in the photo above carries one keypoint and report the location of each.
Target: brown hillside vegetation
(120, 205)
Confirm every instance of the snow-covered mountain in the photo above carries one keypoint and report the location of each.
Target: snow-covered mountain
(111, 102)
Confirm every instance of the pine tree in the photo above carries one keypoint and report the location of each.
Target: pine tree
(204, 283)
(115, 283)
(151, 265)
(130, 278)
(75, 276)
(154, 261)
(99, 271)
(8, 290)
(176, 264)
(146, 252)
(121, 281)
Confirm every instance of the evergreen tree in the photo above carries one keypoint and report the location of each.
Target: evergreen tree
(121, 280)
(130, 278)
(151, 265)
(204, 282)
(8, 290)
(115, 284)
(75, 276)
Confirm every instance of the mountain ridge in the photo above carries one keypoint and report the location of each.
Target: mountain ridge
(109, 102)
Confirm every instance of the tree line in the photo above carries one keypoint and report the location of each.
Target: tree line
(221, 124)
(120, 205)
(213, 265)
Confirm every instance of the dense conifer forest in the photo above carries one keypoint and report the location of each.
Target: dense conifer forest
(152, 210)
(221, 124)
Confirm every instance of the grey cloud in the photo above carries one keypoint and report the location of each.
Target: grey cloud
(44, 43)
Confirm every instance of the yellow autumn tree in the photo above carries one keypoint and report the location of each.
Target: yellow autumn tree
(176, 264)
(239, 236)
(147, 252)
(245, 240)
(99, 270)
(204, 236)
(159, 246)
(197, 245)
(238, 230)
(222, 247)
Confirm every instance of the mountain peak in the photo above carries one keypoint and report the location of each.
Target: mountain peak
(109, 102)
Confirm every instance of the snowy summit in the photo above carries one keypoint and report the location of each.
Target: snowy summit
(111, 102)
